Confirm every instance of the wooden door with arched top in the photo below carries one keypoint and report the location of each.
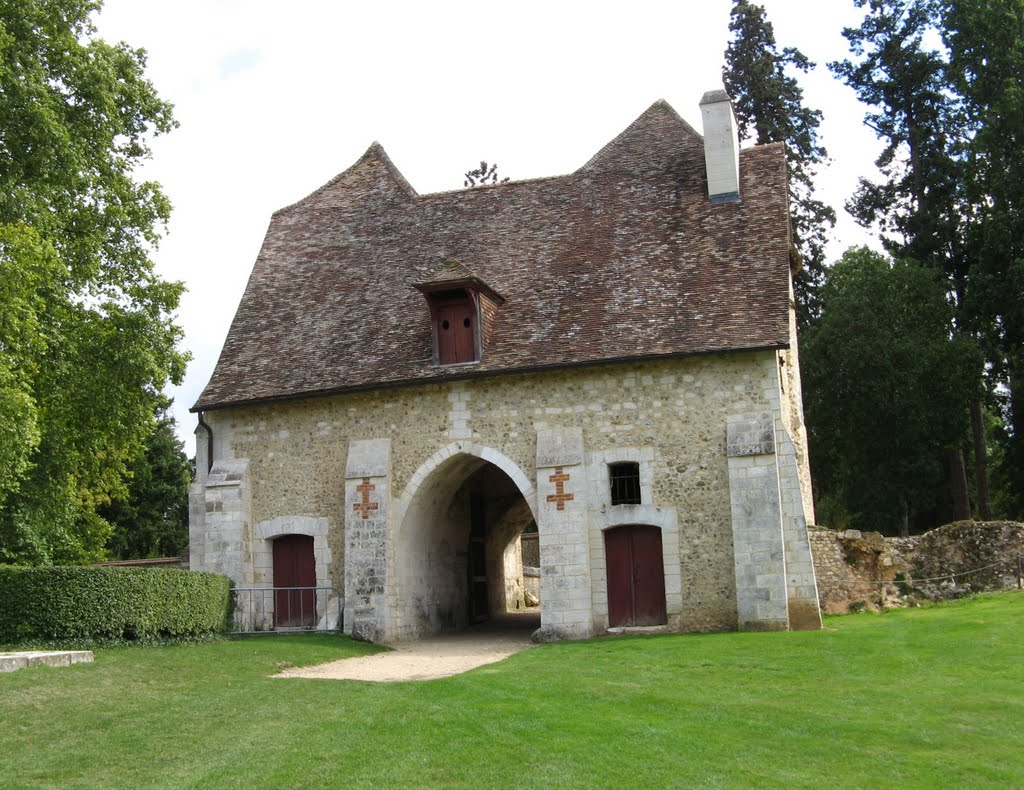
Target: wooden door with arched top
(294, 566)
(636, 576)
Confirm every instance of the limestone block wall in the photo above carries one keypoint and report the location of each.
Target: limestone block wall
(759, 551)
(531, 550)
(565, 571)
(366, 515)
(801, 583)
(220, 511)
(505, 558)
(670, 415)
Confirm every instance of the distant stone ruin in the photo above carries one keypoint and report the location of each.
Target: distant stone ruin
(864, 570)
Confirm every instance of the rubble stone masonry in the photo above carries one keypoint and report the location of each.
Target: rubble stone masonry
(669, 415)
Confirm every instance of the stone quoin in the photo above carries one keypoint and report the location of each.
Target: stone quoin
(416, 380)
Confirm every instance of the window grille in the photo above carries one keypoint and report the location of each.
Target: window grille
(625, 481)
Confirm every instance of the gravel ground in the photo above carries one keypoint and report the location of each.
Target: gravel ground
(438, 657)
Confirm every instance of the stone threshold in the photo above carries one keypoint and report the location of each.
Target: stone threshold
(626, 630)
(9, 662)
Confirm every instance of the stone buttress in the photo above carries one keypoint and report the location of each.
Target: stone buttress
(775, 587)
(367, 538)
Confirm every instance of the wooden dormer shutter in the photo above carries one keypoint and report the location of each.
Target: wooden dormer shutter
(456, 298)
(456, 331)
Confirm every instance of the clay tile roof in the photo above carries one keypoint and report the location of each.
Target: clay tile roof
(454, 273)
(623, 259)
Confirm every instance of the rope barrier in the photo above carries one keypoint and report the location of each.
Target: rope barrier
(911, 581)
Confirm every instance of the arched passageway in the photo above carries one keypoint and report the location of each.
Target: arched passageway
(457, 556)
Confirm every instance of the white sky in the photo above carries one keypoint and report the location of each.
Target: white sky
(274, 99)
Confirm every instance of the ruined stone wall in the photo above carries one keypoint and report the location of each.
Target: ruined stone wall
(849, 565)
(983, 555)
(672, 412)
(860, 570)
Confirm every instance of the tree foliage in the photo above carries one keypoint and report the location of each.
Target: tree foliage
(886, 388)
(485, 174)
(899, 72)
(942, 80)
(85, 323)
(152, 519)
(769, 107)
(986, 71)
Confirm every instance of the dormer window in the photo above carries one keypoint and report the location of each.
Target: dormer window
(455, 327)
(462, 312)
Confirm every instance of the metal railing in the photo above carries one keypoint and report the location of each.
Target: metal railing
(287, 609)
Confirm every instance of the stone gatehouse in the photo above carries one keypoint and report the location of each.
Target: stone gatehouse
(411, 381)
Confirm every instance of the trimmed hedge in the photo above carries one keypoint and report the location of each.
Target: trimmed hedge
(110, 603)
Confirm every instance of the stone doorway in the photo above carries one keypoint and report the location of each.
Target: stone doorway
(294, 582)
(457, 554)
(636, 576)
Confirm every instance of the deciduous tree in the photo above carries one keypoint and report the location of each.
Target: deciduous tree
(86, 333)
(919, 206)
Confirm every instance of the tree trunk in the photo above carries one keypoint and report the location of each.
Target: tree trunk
(958, 485)
(905, 522)
(980, 461)
(1015, 365)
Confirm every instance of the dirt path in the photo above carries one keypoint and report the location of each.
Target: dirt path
(427, 659)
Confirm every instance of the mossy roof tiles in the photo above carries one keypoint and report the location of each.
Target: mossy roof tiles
(625, 258)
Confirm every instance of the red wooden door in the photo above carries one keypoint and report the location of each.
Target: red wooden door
(294, 566)
(455, 333)
(636, 576)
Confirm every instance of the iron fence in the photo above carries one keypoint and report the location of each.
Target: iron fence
(287, 609)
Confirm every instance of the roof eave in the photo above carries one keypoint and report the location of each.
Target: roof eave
(475, 373)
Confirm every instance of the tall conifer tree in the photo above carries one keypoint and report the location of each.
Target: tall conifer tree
(986, 44)
(918, 206)
(930, 205)
(769, 107)
(151, 520)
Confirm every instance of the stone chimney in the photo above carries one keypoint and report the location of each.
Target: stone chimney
(721, 147)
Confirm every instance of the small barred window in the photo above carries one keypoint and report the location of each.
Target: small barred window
(625, 480)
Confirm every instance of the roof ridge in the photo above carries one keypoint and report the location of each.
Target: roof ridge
(488, 187)
(761, 146)
(614, 143)
(375, 151)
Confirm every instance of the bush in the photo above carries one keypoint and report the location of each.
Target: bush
(110, 603)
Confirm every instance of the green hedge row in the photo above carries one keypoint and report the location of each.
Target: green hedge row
(110, 603)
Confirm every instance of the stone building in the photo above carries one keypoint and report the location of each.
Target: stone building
(412, 380)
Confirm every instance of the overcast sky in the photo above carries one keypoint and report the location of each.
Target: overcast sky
(274, 99)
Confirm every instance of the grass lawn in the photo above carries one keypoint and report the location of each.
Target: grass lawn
(920, 698)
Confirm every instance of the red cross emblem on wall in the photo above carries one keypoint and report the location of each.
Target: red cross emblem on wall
(560, 478)
(365, 505)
